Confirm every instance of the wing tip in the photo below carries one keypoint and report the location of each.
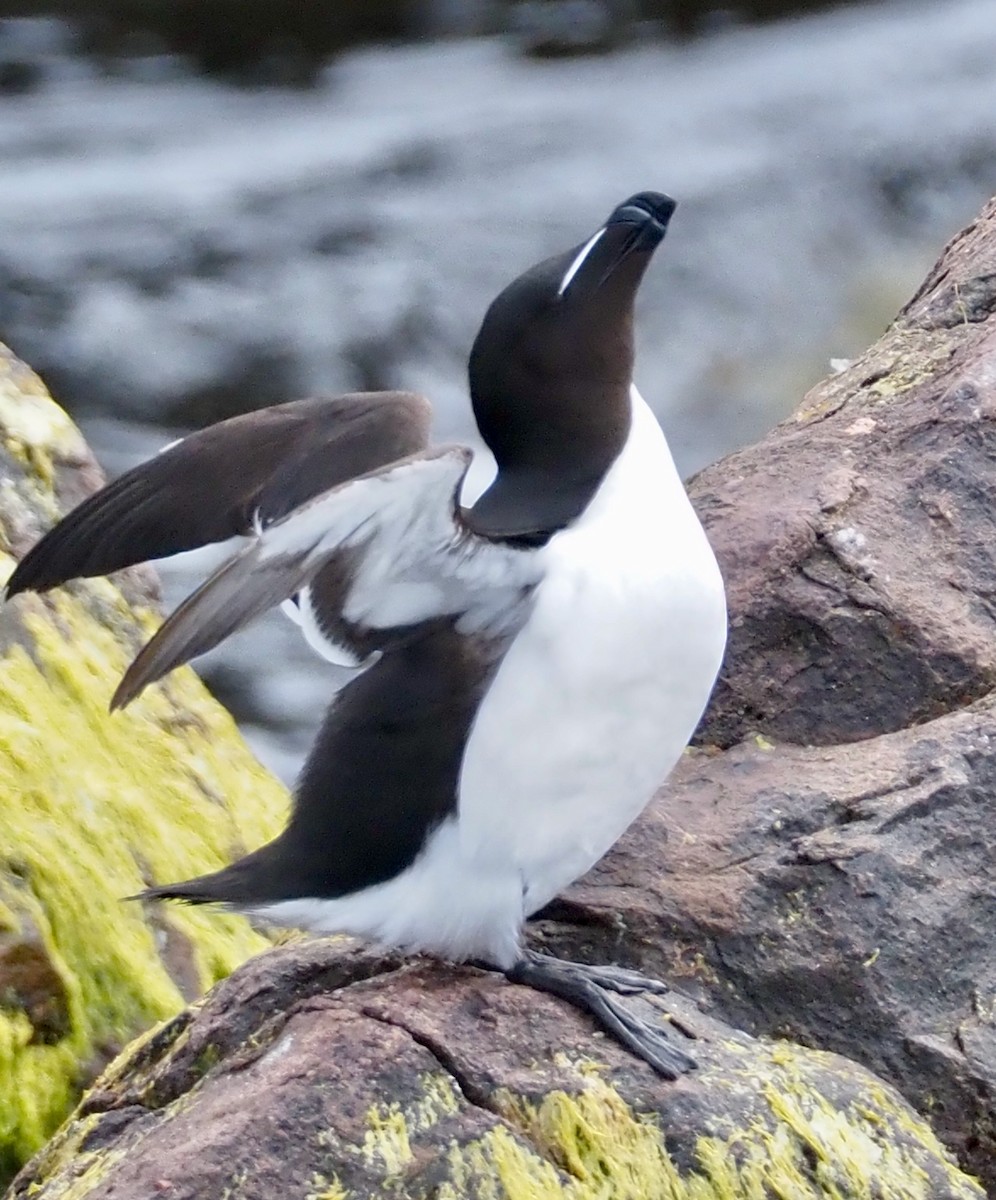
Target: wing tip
(123, 696)
(143, 672)
(216, 887)
(29, 576)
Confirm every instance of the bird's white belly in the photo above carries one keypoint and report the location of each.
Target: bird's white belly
(601, 690)
(572, 743)
(598, 696)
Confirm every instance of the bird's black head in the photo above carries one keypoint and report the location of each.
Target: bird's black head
(550, 373)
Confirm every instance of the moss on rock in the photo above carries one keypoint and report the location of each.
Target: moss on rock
(96, 806)
(795, 1143)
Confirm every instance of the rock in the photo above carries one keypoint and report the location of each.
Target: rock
(94, 806)
(844, 895)
(324, 1072)
(857, 539)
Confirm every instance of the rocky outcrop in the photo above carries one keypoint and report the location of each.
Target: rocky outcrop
(841, 897)
(857, 539)
(842, 892)
(818, 872)
(93, 807)
(837, 894)
(301, 1078)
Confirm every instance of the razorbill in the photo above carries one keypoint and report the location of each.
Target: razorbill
(527, 670)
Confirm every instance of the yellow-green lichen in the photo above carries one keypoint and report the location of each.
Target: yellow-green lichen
(386, 1145)
(29, 415)
(905, 368)
(904, 357)
(95, 807)
(794, 1143)
(82, 1170)
(390, 1127)
(35, 430)
(500, 1167)
(326, 1189)
(592, 1146)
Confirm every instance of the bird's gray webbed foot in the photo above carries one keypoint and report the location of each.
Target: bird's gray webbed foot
(594, 990)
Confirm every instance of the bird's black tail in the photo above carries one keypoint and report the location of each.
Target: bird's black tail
(239, 884)
(202, 890)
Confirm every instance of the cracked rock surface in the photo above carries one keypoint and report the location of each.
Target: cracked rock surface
(325, 1072)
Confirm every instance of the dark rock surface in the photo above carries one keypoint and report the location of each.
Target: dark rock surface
(843, 897)
(857, 539)
(298, 1077)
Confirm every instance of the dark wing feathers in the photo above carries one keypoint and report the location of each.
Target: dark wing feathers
(396, 517)
(395, 735)
(220, 614)
(189, 495)
(340, 496)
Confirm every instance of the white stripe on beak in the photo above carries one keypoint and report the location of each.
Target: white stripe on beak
(576, 265)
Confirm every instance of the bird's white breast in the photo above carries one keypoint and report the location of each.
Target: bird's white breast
(601, 690)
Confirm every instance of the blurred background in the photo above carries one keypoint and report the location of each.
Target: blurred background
(211, 205)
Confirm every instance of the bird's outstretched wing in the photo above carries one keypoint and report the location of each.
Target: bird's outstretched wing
(190, 495)
(391, 545)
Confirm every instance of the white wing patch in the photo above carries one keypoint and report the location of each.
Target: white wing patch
(410, 559)
(578, 262)
(304, 617)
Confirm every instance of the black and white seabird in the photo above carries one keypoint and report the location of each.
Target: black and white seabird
(528, 669)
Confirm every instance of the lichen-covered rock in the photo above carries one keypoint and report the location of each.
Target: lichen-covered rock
(93, 807)
(317, 1072)
(843, 897)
